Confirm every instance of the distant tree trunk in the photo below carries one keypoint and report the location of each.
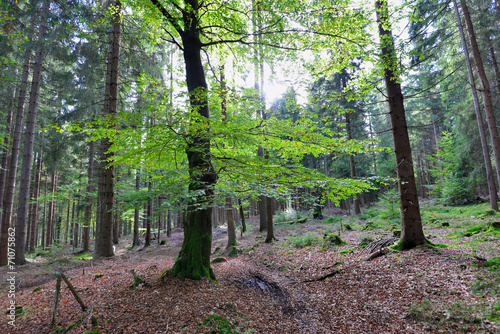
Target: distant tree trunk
(242, 217)
(74, 222)
(492, 189)
(52, 207)
(34, 214)
(104, 238)
(411, 223)
(231, 232)
(10, 185)
(485, 89)
(149, 219)
(88, 207)
(29, 140)
(67, 232)
(44, 220)
(495, 65)
(270, 228)
(5, 154)
(136, 241)
(169, 224)
(352, 164)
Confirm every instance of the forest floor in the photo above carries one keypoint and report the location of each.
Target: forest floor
(276, 288)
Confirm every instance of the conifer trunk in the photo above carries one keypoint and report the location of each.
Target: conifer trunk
(411, 223)
(492, 189)
(52, 206)
(10, 185)
(29, 140)
(136, 241)
(485, 89)
(88, 207)
(104, 237)
(34, 216)
(5, 154)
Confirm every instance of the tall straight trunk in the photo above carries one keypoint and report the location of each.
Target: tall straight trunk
(29, 140)
(485, 89)
(44, 220)
(51, 214)
(352, 164)
(75, 234)
(5, 154)
(492, 189)
(67, 232)
(411, 224)
(169, 224)
(136, 241)
(116, 227)
(495, 64)
(36, 194)
(88, 207)
(149, 218)
(104, 237)
(10, 184)
(231, 231)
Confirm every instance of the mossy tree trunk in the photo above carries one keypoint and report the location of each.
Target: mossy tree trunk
(194, 258)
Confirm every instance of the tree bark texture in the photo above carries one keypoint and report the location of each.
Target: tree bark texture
(10, 185)
(492, 189)
(411, 223)
(34, 215)
(29, 141)
(485, 89)
(104, 238)
(52, 206)
(88, 207)
(194, 258)
(136, 241)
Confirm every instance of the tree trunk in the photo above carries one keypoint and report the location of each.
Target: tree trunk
(5, 154)
(194, 257)
(88, 207)
(169, 224)
(34, 215)
(242, 217)
(44, 220)
(52, 207)
(75, 233)
(136, 241)
(149, 219)
(29, 140)
(411, 223)
(104, 238)
(231, 231)
(10, 185)
(484, 145)
(352, 164)
(270, 228)
(485, 89)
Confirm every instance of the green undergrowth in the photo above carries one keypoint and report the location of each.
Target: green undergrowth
(220, 325)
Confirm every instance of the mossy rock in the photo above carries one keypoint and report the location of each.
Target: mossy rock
(163, 242)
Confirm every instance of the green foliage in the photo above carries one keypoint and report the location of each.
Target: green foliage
(451, 187)
(304, 241)
(217, 324)
(331, 240)
(390, 200)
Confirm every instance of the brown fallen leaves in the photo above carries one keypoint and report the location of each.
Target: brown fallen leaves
(265, 291)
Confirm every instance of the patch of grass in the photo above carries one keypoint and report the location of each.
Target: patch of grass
(347, 251)
(332, 239)
(216, 324)
(83, 257)
(304, 241)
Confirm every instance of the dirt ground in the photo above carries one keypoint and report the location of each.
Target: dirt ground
(269, 288)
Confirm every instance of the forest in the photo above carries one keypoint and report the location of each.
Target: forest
(228, 166)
